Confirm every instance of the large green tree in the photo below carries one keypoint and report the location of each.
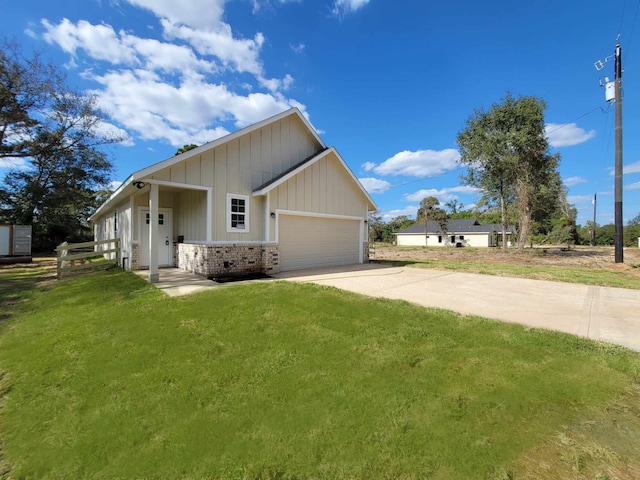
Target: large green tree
(54, 135)
(506, 154)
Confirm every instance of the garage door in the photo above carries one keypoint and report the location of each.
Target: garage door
(308, 242)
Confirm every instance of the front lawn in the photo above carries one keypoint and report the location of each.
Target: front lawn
(105, 377)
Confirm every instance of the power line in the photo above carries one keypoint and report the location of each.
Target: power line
(576, 119)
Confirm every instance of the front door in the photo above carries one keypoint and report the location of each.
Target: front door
(165, 238)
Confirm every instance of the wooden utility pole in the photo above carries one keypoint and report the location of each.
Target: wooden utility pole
(593, 232)
(619, 237)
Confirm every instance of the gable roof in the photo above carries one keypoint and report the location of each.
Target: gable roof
(127, 188)
(306, 163)
(454, 226)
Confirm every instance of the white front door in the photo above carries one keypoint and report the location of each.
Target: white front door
(165, 237)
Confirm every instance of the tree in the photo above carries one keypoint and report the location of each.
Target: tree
(430, 210)
(186, 148)
(57, 133)
(454, 206)
(506, 152)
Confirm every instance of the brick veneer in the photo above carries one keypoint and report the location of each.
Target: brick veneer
(229, 259)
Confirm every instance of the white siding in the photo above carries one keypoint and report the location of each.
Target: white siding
(470, 240)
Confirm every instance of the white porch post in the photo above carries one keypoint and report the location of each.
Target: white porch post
(209, 221)
(154, 276)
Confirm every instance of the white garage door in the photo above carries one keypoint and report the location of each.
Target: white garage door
(308, 242)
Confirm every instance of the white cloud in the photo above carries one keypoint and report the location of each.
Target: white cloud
(299, 48)
(409, 211)
(342, 7)
(114, 185)
(633, 186)
(101, 42)
(108, 130)
(631, 168)
(142, 102)
(567, 135)
(579, 199)
(201, 14)
(571, 181)
(242, 55)
(422, 163)
(375, 185)
(368, 166)
(19, 163)
(190, 105)
(444, 194)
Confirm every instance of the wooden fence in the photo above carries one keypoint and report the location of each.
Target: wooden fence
(82, 256)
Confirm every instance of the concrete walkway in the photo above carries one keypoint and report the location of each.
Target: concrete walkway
(600, 313)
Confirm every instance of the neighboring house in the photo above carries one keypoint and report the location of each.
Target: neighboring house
(460, 233)
(270, 197)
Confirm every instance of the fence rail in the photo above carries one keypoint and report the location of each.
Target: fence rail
(72, 257)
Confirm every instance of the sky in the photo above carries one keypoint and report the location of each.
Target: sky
(390, 84)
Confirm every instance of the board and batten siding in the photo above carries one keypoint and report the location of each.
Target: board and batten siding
(324, 187)
(237, 167)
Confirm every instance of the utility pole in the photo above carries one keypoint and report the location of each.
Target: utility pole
(619, 238)
(593, 232)
(613, 93)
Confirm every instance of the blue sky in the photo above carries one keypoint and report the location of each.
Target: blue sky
(389, 84)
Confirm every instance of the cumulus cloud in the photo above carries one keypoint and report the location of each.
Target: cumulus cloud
(342, 7)
(421, 163)
(567, 135)
(173, 90)
(368, 166)
(409, 211)
(375, 185)
(444, 194)
(571, 181)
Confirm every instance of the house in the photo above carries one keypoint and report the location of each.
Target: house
(460, 233)
(270, 197)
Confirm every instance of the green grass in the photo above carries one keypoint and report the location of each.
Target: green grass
(105, 377)
(558, 273)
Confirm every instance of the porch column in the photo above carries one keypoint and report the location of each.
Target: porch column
(154, 276)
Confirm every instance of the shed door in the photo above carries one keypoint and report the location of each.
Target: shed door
(309, 242)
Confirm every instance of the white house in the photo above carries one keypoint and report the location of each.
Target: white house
(461, 233)
(270, 197)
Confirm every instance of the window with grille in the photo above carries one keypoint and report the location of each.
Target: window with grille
(237, 213)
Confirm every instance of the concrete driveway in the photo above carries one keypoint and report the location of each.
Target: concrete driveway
(599, 313)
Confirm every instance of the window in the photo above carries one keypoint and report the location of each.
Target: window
(237, 213)
(439, 238)
(115, 222)
(453, 239)
(461, 237)
(160, 218)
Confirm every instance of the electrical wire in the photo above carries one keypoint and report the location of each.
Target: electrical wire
(633, 27)
(576, 119)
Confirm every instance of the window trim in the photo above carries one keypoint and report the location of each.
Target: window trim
(247, 217)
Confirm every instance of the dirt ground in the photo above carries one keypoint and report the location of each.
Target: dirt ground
(584, 256)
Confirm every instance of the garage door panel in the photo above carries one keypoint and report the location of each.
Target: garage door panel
(307, 242)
